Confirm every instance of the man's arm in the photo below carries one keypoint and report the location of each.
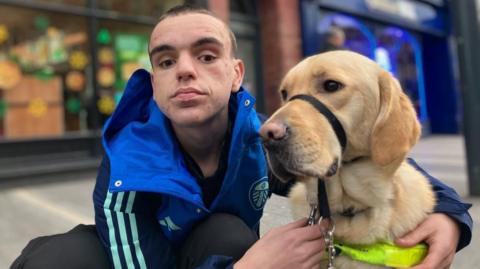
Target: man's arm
(449, 203)
(128, 228)
(447, 230)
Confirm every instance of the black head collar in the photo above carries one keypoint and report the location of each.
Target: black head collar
(324, 208)
(334, 122)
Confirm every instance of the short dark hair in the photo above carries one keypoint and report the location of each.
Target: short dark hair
(187, 8)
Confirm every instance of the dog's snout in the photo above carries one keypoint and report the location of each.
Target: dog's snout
(273, 130)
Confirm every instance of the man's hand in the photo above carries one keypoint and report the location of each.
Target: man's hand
(294, 245)
(441, 233)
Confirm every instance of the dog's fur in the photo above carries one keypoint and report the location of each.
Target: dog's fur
(373, 178)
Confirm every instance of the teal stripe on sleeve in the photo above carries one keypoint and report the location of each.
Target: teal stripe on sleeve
(133, 226)
(111, 232)
(122, 231)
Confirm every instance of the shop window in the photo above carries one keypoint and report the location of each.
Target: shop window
(45, 81)
(402, 51)
(150, 8)
(337, 31)
(122, 49)
(394, 49)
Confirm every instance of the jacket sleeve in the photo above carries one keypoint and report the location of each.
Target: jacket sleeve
(127, 226)
(450, 203)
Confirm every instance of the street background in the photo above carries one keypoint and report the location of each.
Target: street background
(45, 205)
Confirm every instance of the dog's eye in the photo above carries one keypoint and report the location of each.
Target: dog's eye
(332, 85)
(284, 94)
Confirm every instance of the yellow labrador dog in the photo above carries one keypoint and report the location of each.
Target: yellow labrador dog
(374, 195)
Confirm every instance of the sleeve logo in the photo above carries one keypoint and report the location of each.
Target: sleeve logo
(259, 193)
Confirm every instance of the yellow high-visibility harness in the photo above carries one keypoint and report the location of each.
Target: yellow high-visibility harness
(384, 253)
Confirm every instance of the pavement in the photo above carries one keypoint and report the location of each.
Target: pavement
(39, 206)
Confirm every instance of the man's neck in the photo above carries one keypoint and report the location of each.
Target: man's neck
(204, 143)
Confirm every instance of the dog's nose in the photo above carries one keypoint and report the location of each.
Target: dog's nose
(273, 130)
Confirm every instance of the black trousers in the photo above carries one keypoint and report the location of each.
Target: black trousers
(80, 248)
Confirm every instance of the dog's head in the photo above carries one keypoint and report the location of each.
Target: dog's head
(378, 118)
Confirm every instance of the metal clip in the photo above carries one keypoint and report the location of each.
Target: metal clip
(330, 245)
(313, 216)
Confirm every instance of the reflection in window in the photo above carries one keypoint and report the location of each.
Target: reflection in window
(337, 31)
(44, 81)
(404, 52)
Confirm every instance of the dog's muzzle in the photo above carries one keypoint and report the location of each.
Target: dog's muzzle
(322, 109)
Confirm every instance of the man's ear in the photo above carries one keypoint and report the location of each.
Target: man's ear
(239, 69)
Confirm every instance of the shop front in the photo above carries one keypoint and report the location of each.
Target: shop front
(411, 39)
(63, 68)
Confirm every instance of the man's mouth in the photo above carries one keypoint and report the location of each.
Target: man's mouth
(187, 94)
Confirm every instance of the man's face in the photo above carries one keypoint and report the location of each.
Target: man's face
(193, 69)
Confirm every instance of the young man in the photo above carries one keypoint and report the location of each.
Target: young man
(184, 179)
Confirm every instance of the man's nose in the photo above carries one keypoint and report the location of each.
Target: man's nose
(186, 67)
(273, 130)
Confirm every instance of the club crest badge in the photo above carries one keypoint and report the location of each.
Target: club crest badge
(259, 193)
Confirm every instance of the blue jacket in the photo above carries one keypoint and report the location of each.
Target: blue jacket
(146, 201)
(144, 166)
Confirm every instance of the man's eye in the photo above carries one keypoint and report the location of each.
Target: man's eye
(166, 63)
(207, 58)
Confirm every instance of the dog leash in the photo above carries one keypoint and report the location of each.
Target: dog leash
(323, 211)
(323, 207)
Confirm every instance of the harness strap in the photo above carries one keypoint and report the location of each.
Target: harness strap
(384, 253)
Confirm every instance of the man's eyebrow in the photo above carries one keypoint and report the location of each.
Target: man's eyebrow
(207, 40)
(160, 48)
(200, 42)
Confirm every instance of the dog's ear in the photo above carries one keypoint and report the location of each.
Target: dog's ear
(396, 128)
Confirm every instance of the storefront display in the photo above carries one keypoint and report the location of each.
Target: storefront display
(75, 81)
(49, 84)
(10, 75)
(122, 49)
(34, 108)
(106, 105)
(3, 33)
(44, 61)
